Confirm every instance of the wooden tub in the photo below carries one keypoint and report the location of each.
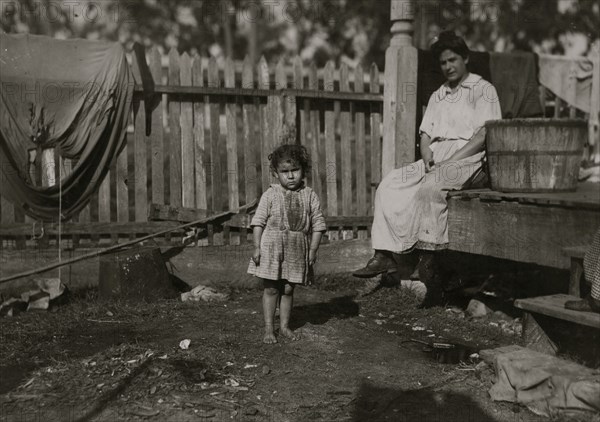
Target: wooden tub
(535, 155)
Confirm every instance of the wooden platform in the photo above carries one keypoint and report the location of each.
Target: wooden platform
(524, 227)
(554, 306)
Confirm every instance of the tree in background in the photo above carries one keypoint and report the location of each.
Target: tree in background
(352, 31)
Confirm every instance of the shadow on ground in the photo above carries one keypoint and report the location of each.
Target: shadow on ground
(375, 403)
(319, 313)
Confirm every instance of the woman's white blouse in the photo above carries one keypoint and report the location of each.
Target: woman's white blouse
(460, 114)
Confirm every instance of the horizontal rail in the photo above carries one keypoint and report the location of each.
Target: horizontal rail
(251, 92)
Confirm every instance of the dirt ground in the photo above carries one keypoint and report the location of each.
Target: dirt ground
(89, 361)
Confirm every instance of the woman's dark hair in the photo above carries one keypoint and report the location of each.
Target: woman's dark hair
(291, 153)
(448, 40)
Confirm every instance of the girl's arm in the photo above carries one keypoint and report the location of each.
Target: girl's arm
(257, 234)
(318, 226)
(315, 241)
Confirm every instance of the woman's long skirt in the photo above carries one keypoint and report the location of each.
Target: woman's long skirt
(411, 210)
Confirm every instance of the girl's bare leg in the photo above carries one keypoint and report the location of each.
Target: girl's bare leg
(270, 297)
(285, 309)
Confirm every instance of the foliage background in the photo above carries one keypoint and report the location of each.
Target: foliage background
(354, 31)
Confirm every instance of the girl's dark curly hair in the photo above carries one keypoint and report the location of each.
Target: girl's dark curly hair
(291, 153)
(448, 40)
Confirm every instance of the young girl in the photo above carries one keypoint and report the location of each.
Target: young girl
(288, 226)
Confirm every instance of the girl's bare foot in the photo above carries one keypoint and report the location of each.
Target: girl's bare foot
(289, 333)
(269, 337)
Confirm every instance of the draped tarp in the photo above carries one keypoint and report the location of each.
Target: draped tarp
(74, 95)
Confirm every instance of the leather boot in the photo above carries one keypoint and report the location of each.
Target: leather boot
(587, 304)
(379, 264)
(430, 276)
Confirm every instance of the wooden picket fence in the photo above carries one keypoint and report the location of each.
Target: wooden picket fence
(210, 131)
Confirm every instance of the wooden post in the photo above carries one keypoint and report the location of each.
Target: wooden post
(400, 94)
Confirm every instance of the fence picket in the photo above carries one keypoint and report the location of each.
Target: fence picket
(346, 144)
(330, 154)
(188, 197)
(265, 142)
(215, 155)
(375, 123)
(200, 155)
(157, 143)
(175, 133)
(360, 155)
(139, 156)
(314, 135)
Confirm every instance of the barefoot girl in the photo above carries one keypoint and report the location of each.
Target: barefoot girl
(288, 226)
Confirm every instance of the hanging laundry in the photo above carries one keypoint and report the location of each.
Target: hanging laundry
(70, 95)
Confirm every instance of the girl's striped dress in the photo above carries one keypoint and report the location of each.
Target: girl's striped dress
(288, 218)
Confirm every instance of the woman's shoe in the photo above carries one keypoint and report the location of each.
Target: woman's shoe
(379, 264)
(587, 304)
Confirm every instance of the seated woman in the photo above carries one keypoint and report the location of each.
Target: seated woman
(410, 204)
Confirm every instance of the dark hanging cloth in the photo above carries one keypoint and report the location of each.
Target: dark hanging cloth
(514, 75)
(73, 95)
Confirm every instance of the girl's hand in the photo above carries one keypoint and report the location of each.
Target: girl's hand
(312, 257)
(256, 256)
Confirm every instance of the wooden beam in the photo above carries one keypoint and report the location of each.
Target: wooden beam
(519, 232)
(249, 92)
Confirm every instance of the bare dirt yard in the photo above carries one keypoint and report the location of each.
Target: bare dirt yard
(93, 361)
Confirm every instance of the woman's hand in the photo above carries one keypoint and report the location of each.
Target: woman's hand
(428, 160)
(312, 257)
(256, 256)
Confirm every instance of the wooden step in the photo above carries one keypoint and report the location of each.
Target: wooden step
(554, 306)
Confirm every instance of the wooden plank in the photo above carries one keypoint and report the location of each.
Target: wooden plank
(315, 140)
(524, 233)
(7, 216)
(122, 189)
(140, 156)
(157, 143)
(188, 178)
(346, 145)
(587, 196)
(265, 146)
(361, 150)
(200, 153)
(159, 212)
(96, 229)
(287, 101)
(215, 130)
(104, 200)
(249, 119)
(232, 142)
(302, 93)
(330, 154)
(375, 123)
(175, 133)
(300, 113)
(554, 306)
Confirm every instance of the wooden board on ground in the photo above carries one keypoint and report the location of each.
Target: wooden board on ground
(554, 306)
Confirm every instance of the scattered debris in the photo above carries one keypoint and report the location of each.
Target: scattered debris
(49, 290)
(205, 293)
(184, 344)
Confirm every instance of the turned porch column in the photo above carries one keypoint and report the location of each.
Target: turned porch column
(400, 91)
